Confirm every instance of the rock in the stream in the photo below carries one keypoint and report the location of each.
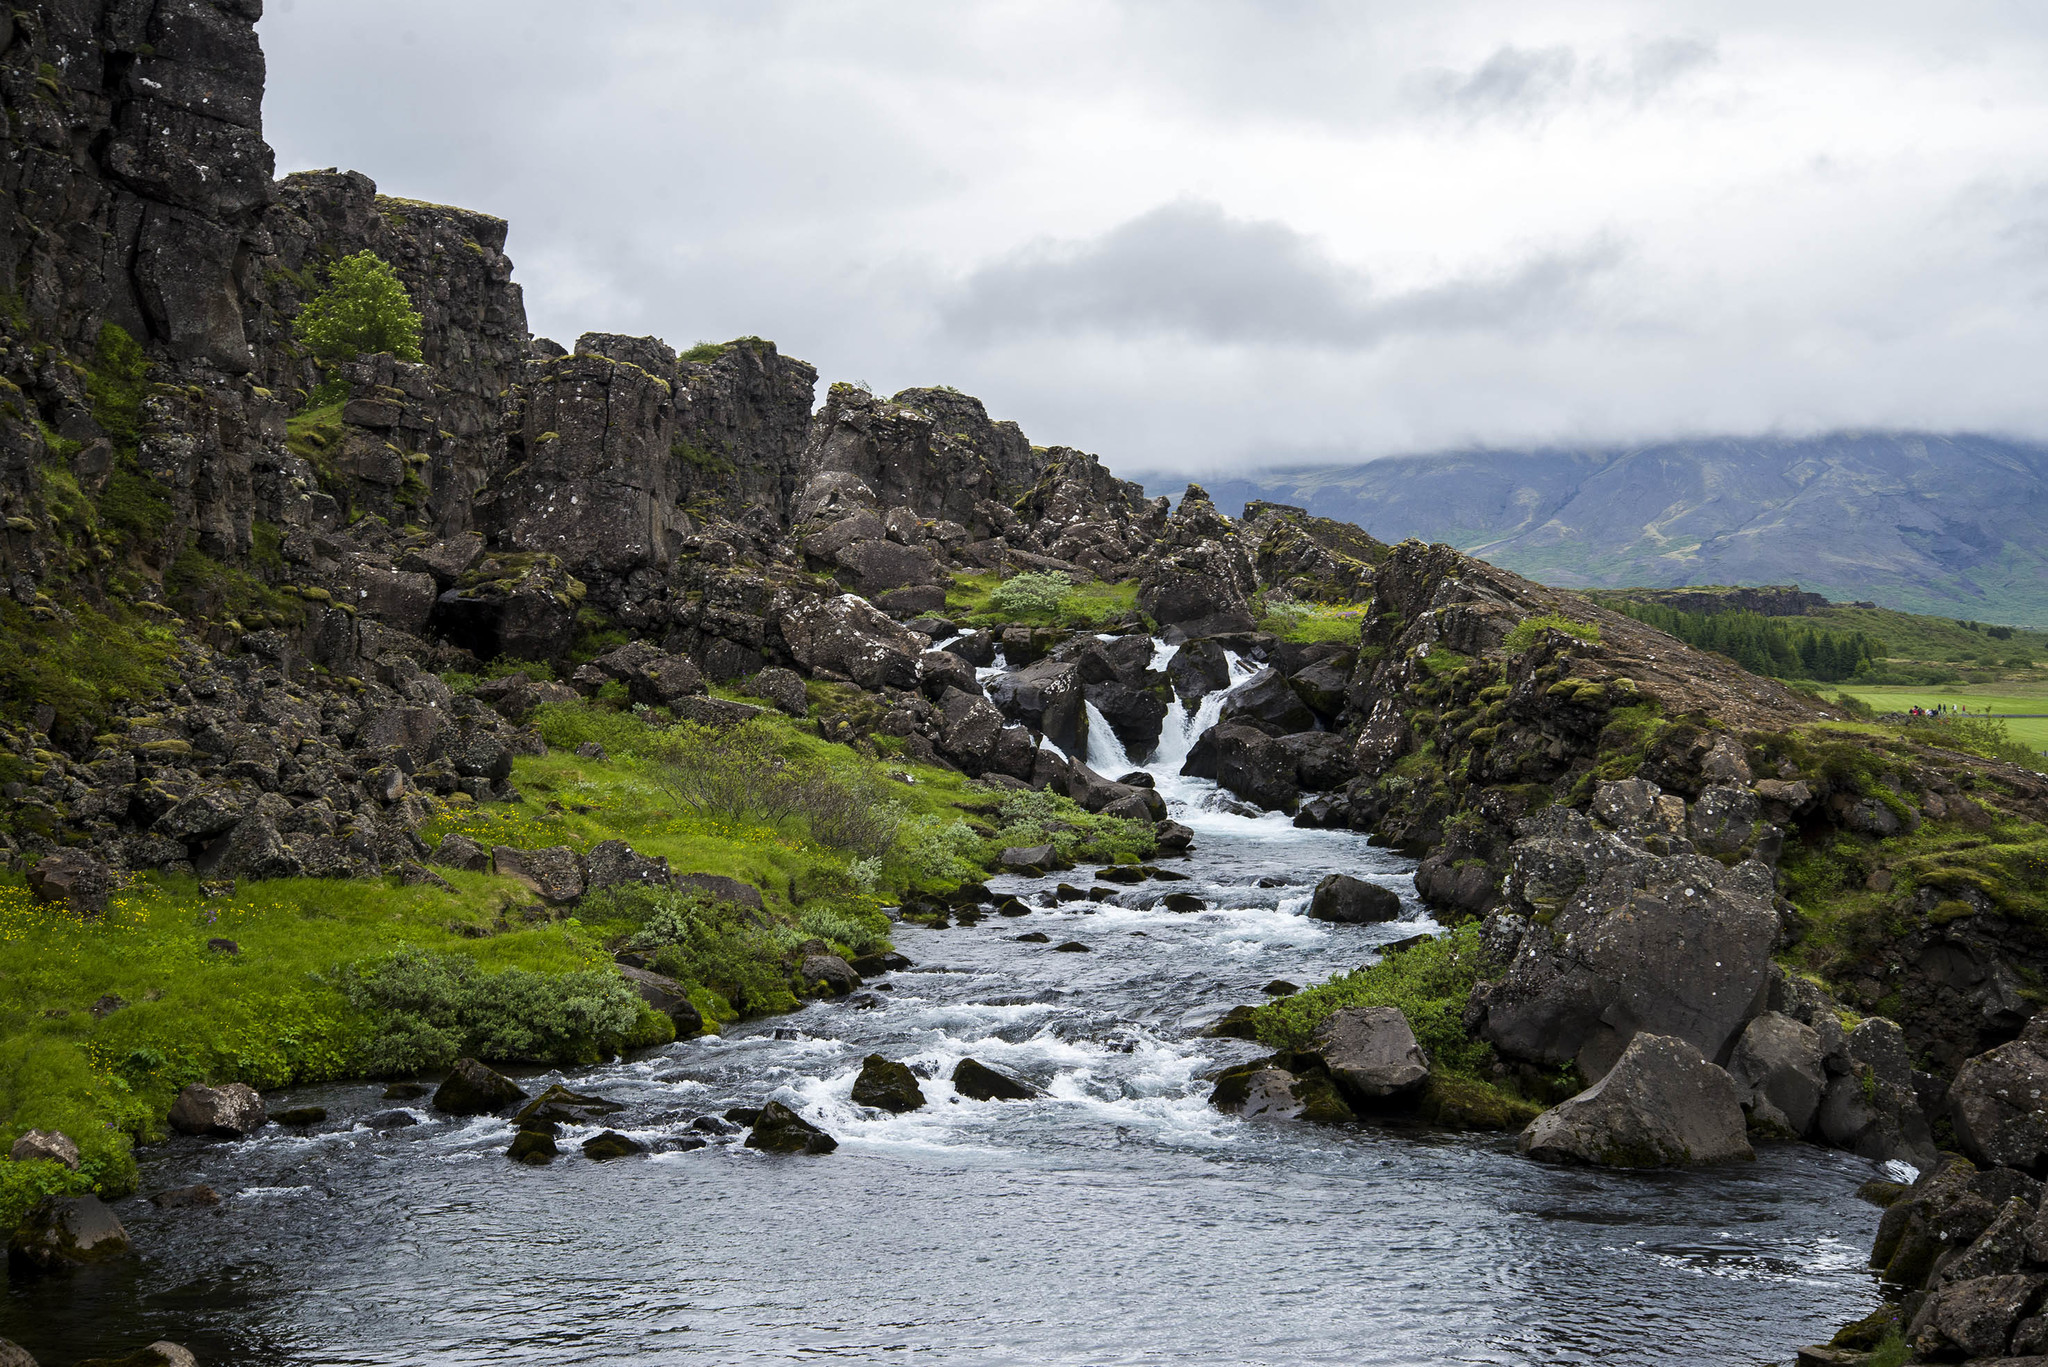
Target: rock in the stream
(667, 996)
(887, 1085)
(828, 975)
(13, 1354)
(53, 1145)
(534, 1148)
(229, 1112)
(611, 1144)
(1352, 901)
(778, 1129)
(1263, 1090)
(1371, 1052)
(473, 1089)
(980, 1082)
(194, 1197)
(1661, 1105)
(63, 1233)
(1028, 858)
(299, 1117)
(162, 1353)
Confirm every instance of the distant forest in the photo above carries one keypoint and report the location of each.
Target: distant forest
(1782, 647)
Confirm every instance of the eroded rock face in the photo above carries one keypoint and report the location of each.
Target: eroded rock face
(1999, 1102)
(1267, 701)
(1779, 1064)
(1661, 1105)
(1676, 945)
(1048, 698)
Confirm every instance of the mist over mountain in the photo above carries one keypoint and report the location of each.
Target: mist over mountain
(1955, 524)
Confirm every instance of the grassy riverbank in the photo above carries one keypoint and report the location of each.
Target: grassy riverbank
(103, 1019)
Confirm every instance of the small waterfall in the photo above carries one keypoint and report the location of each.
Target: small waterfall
(1106, 754)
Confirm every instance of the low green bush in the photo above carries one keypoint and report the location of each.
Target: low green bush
(1429, 983)
(1030, 595)
(427, 1010)
(1045, 818)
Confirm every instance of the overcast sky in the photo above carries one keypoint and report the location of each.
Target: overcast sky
(1199, 237)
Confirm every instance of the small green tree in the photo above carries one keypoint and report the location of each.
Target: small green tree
(365, 308)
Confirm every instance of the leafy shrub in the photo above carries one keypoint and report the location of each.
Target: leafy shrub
(861, 932)
(1046, 818)
(429, 1009)
(937, 851)
(1429, 983)
(718, 947)
(741, 773)
(1031, 595)
(365, 308)
(564, 726)
(1525, 631)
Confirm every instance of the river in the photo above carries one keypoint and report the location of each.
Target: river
(1118, 1220)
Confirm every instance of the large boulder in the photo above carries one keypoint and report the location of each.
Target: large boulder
(230, 1112)
(554, 874)
(827, 975)
(975, 737)
(887, 1085)
(940, 671)
(848, 637)
(1675, 945)
(667, 996)
(1975, 1318)
(1047, 697)
(1777, 1063)
(74, 878)
(472, 1088)
(1661, 1105)
(1874, 1108)
(1253, 765)
(1352, 901)
(778, 1129)
(1267, 702)
(53, 1146)
(1370, 1052)
(876, 566)
(614, 863)
(1266, 1091)
(63, 1233)
(1998, 1103)
(1321, 686)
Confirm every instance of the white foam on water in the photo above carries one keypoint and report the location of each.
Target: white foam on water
(1106, 753)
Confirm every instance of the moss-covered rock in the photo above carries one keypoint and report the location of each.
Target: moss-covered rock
(888, 1085)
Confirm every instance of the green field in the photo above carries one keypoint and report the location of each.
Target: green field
(1978, 701)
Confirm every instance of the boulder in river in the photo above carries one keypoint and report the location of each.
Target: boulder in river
(558, 1105)
(978, 1081)
(63, 1233)
(887, 1085)
(534, 1148)
(1028, 858)
(1352, 901)
(229, 1112)
(1265, 1090)
(13, 1354)
(1267, 702)
(162, 1353)
(299, 1117)
(827, 975)
(1661, 1105)
(473, 1089)
(778, 1129)
(611, 1144)
(1370, 1052)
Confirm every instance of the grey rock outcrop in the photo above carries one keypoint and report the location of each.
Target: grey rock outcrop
(1370, 1052)
(1661, 1105)
(231, 1112)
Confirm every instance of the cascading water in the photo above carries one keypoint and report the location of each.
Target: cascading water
(1118, 1219)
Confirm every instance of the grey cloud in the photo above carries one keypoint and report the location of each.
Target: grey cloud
(1189, 269)
(1524, 82)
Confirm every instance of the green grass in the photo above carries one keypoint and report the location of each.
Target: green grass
(1525, 631)
(1429, 983)
(83, 664)
(1083, 606)
(1304, 623)
(1974, 698)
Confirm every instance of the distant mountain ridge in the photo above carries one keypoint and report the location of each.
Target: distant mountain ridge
(1951, 524)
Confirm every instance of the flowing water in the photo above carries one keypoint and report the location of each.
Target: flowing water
(1118, 1220)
